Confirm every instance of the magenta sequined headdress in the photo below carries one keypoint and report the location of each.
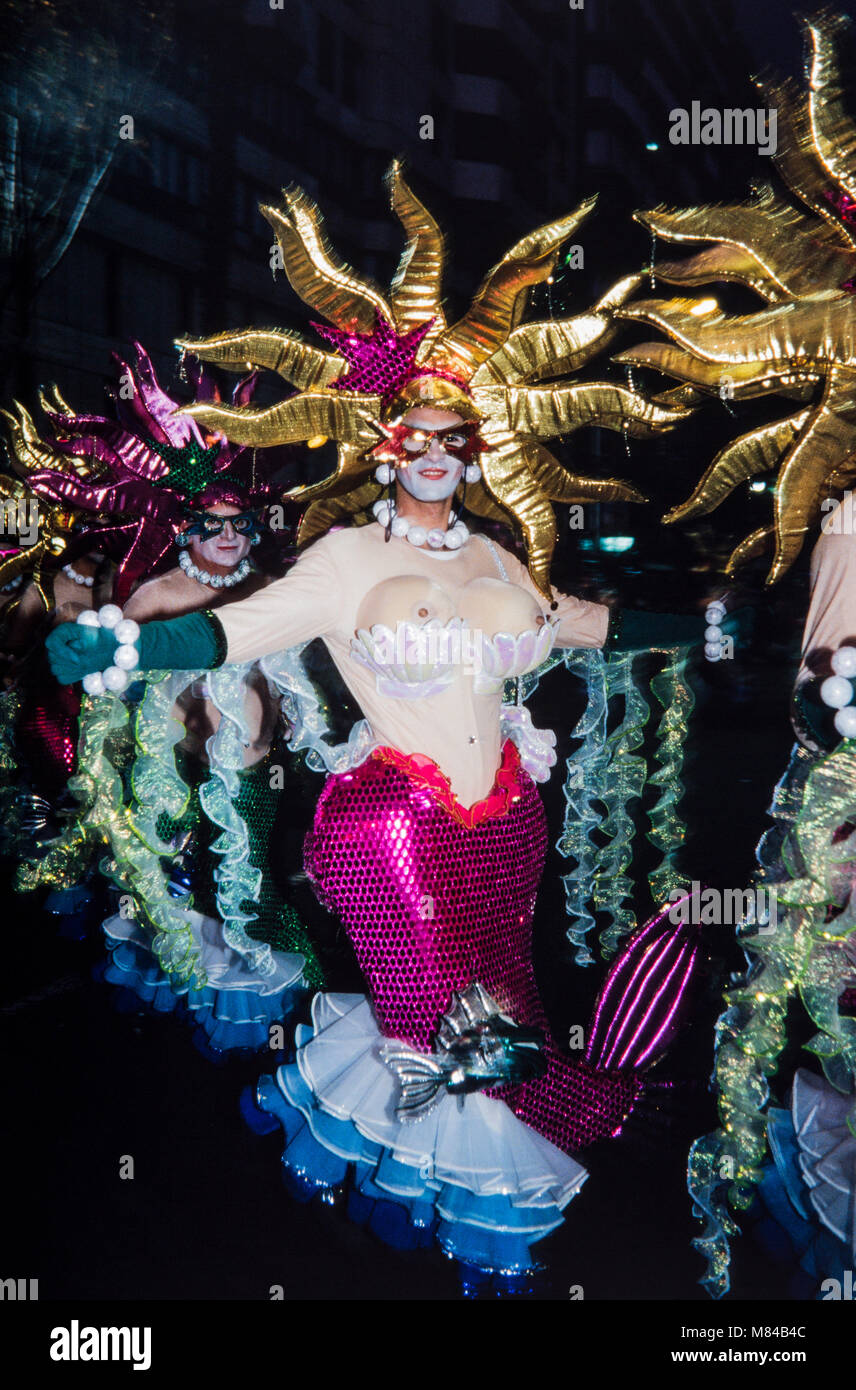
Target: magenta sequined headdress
(138, 474)
(395, 351)
(383, 362)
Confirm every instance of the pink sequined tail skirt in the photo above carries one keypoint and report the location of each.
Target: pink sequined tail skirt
(434, 897)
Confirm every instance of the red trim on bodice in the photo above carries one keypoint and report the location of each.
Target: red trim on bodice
(498, 802)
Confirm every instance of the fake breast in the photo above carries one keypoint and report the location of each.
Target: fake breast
(417, 638)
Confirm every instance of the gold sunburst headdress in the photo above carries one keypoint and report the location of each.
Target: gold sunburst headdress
(56, 519)
(397, 350)
(802, 261)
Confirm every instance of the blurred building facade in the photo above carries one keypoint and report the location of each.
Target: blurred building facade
(508, 113)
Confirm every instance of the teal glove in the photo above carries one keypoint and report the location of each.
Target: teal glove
(195, 642)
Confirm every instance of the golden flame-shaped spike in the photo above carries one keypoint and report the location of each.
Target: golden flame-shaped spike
(805, 334)
(794, 254)
(796, 158)
(547, 239)
(323, 281)
(19, 564)
(757, 451)
(29, 453)
(300, 364)
(559, 485)
(721, 262)
(546, 412)
(488, 321)
(329, 511)
(823, 446)
(46, 402)
(417, 287)
(499, 299)
(749, 549)
(734, 381)
(833, 130)
(336, 414)
(556, 347)
(60, 403)
(508, 477)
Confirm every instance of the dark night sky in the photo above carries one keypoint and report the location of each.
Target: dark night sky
(771, 28)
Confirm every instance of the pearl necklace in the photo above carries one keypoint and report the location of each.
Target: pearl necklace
(216, 581)
(86, 579)
(452, 539)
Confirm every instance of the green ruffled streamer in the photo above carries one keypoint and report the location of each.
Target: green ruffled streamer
(613, 885)
(801, 957)
(667, 831)
(304, 707)
(237, 879)
(135, 865)
(604, 775)
(584, 787)
(160, 791)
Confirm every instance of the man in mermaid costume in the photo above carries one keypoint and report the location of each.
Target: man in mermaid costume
(442, 1090)
(177, 773)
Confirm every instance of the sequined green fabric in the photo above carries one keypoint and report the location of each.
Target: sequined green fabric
(277, 923)
(192, 467)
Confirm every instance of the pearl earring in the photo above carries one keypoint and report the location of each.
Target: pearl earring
(472, 473)
(383, 474)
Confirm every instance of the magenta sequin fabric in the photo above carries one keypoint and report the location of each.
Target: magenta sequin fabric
(383, 361)
(431, 905)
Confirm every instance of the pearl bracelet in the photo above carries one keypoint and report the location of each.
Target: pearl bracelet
(126, 657)
(714, 640)
(837, 691)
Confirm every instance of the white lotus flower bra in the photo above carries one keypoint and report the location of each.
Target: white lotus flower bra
(418, 639)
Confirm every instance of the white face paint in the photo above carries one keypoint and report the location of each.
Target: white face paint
(433, 475)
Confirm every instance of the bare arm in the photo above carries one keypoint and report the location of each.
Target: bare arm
(304, 604)
(580, 623)
(831, 620)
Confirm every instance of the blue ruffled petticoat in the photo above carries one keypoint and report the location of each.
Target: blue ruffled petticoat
(235, 1013)
(809, 1189)
(470, 1175)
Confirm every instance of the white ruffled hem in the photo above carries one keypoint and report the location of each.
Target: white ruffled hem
(827, 1152)
(472, 1141)
(225, 968)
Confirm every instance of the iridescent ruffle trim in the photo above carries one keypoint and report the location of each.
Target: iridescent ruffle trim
(471, 1175)
(604, 776)
(806, 955)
